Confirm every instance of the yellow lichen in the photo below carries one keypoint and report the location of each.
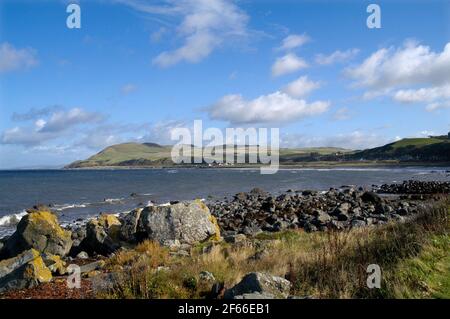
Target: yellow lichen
(55, 264)
(46, 221)
(111, 224)
(216, 236)
(36, 269)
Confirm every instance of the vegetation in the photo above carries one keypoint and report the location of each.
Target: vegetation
(150, 154)
(414, 258)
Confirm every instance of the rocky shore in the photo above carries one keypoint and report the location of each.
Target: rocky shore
(40, 251)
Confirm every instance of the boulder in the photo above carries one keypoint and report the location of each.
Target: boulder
(111, 224)
(188, 222)
(40, 230)
(82, 255)
(262, 283)
(129, 225)
(97, 239)
(55, 264)
(371, 197)
(23, 271)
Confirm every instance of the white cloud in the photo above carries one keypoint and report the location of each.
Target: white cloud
(293, 41)
(301, 87)
(336, 56)
(398, 72)
(52, 125)
(205, 25)
(423, 94)
(128, 88)
(288, 64)
(408, 65)
(14, 59)
(277, 107)
(437, 105)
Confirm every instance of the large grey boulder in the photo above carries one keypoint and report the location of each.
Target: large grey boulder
(187, 222)
(129, 225)
(23, 271)
(262, 283)
(39, 229)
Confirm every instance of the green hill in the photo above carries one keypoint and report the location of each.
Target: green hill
(409, 149)
(154, 155)
(151, 154)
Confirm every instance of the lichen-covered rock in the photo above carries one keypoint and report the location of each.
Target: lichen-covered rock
(23, 271)
(97, 240)
(262, 283)
(188, 222)
(55, 264)
(129, 225)
(39, 229)
(111, 224)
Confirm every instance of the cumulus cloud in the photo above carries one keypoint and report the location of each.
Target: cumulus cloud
(205, 25)
(35, 113)
(50, 126)
(301, 87)
(398, 71)
(336, 57)
(277, 107)
(288, 64)
(294, 41)
(12, 59)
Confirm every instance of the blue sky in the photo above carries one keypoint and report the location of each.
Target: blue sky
(137, 69)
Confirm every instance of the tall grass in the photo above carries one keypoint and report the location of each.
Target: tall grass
(413, 257)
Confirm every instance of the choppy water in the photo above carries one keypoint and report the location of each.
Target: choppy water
(83, 193)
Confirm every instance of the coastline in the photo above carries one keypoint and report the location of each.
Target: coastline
(256, 227)
(312, 165)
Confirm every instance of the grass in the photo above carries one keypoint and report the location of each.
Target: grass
(416, 142)
(414, 258)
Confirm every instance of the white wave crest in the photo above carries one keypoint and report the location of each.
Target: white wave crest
(11, 220)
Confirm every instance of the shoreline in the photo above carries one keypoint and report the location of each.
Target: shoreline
(251, 226)
(307, 165)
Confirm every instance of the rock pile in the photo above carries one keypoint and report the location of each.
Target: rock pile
(416, 187)
(348, 207)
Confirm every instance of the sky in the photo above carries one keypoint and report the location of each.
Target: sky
(137, 69)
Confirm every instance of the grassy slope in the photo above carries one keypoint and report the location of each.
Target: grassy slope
(414, 258)
(120, 153)
(418, 148)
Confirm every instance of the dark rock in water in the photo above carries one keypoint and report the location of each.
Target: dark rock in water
(260, 283)
(23, 271)
(187, 222)
(39, 229)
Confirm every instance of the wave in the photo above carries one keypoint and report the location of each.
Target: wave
(68, 206)
(11, 220)
(113, 200)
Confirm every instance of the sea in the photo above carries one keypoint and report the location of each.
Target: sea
(77, 195)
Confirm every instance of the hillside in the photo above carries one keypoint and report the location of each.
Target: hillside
(151, 154)
(409, 149)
